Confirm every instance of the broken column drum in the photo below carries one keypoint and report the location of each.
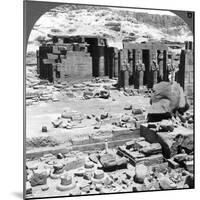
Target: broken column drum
(67, 183)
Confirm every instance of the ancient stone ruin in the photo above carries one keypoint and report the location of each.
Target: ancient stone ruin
(129, 122)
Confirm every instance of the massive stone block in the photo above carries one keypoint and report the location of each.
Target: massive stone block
(77, 64)
(169, 140)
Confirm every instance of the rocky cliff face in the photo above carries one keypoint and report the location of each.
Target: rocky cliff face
(114, 24)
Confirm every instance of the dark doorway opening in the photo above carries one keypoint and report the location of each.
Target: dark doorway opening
(146, 60)
(46, 70)
(165, 70)
(93, 50)
(133, 77)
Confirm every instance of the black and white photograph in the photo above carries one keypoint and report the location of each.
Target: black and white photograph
(109, 99)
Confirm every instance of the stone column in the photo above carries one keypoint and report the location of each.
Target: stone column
(154, 67)
(101, 66)
(160, 64)
(131, 61)
(116, 63)
(140, 68)
(141, 78)
(126, 76)
(155, 77)
(101, 61)
(54, 66)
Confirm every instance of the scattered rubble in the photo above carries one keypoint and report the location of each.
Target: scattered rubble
(145, 154)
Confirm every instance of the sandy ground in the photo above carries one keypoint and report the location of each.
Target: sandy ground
(44, 113)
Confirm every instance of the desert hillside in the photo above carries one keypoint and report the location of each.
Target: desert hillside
(114, 24)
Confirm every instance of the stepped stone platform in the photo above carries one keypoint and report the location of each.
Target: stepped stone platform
(172, 142)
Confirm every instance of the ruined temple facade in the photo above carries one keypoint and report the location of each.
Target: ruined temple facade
(147, 63)
(137, 64)
(75, 57)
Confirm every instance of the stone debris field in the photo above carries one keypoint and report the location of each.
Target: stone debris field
(101, 142)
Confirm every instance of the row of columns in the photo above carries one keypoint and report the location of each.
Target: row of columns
(132, 65)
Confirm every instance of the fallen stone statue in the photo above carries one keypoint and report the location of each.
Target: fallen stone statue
(167, 99)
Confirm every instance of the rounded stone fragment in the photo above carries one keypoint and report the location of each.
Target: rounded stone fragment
(89, 165)
(28, 188)
(189, 180)
(33, 166)
(44, 129)
(141, 172)
(60, 156)
(44, 187)
(66, 180)
(98, 174)
(166, 183)
(67, 183)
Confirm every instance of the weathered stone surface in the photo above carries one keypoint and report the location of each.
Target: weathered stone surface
(93, 158)
(74, 163)
(130, 144)
(173, 164)
(44, 129)
(121, 133)
(189, 181)
(38, 179)
(108, 181)
(139, 123)
(180, 158)
(89, 165)
(141, 172)
(128, 107)
(130, 174)
(156, 169)
(32, 165)
(80, 140)
(140, 117)
(60, 156)
(166, 183)
(28, 188)
(57, 123)
(85, 186)
(167, 97)
(66, 183)
(151, 149)
(166, 125)
(168, 140)
(79, 172)
(44, 187)
(99, 187)
(125, 118)
(189, 165)
(150, 160)
(98, 174)
(87, 175)
(110, 163)
(137, 111)
(141, 144)
(58, 168)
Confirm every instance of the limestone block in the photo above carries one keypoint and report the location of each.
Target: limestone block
(151, 149)
(169, 140)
